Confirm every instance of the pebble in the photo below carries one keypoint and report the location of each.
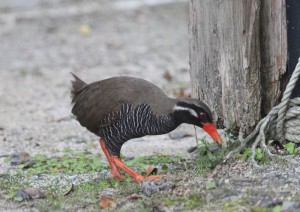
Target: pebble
(149, 187)
(19, 158)
(297, 169)
(214, 148)
(289, 206)
(179, 134)
(192, 149)
(220, 182)
(166, 186)
(269, 202)
(23, 195)
(128, 158)
(34, 193)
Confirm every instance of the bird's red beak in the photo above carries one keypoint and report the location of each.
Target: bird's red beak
(212, 131)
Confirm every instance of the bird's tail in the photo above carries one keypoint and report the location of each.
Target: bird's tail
(77, 86)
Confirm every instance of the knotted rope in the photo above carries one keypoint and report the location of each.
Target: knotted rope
(281, 124)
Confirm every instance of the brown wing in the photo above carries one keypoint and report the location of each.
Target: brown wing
(96, 100)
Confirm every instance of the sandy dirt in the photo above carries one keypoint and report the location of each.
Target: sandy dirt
(41, 44)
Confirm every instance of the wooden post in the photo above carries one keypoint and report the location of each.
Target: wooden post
(237, 57)
(273, 41)
(225, 59)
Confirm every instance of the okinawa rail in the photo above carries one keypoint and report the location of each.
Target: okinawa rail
(122, 108)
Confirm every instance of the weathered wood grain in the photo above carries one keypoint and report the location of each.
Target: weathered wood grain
(273, 39)
(225, 59)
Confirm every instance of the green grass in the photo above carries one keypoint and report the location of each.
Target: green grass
(164, 160)
(85, 163)
(260, 155)
(10, 184)
(291, 148)
(76, 163)
(205, 159)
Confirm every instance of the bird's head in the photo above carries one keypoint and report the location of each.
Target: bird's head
(193, 111)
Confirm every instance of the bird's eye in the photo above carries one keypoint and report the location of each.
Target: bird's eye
(202, 116)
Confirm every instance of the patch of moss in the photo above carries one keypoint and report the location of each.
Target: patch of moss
(190, 201)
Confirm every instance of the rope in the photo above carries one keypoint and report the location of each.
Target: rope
(282, 123)
(283, 106)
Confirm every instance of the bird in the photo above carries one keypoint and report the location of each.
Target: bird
(121, 108)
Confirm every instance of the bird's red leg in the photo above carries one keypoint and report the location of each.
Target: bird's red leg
(114, 170)
(136, 176)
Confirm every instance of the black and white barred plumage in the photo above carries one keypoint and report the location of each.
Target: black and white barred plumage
(132, 122)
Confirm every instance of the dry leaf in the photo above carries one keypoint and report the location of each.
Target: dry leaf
(167, 75)
(56, 169)
(85, 29)
(150, 170)
(135, 197)
(182, 93)
(107, 202)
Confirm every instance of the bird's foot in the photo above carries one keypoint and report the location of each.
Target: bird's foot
(118, 177)
(154, 177)
(141, 179)
(117, 174)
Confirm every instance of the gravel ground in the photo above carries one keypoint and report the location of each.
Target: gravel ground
(43, 41)
(42, 44)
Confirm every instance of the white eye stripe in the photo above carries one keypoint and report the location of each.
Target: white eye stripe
(191, 111)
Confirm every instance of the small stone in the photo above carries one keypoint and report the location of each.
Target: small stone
(297, 169)
(214, 148)
(165, 186)
(192, 149)
(21, 194)
(20, 158)
(220, 182)
(34, 193)
(289, 206)
(103, 172)
(149, 187)
(128, 158)
(178, 134)
(269, 202)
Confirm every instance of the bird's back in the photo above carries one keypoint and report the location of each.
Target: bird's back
(94, 102)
